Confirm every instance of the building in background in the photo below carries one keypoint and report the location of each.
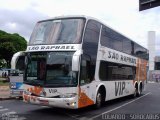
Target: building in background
(157, 62)
(151, 47)
(154, 60)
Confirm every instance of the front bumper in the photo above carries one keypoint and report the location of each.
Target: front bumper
(70, 103)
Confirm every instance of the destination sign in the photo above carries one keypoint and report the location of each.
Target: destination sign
(62, 47)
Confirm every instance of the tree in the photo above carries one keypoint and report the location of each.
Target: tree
(3, 63)
(10, 44)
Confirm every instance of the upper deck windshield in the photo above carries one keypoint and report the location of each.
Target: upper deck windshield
(59, 31)
(50, 69)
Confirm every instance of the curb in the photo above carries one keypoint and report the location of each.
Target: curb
(9, 98)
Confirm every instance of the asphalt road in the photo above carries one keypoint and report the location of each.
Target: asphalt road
(144, 107)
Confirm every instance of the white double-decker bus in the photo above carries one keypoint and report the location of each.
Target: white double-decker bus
(77, 61)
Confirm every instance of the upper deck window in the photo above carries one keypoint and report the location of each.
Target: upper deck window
(61, 31)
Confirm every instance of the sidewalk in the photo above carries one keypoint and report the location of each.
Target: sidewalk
(4, 93)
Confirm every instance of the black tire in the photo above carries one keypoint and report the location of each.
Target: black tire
(99, 99)
(139, 92)
(134, 95)
(136, 91)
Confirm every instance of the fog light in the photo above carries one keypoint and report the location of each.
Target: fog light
(72, 104)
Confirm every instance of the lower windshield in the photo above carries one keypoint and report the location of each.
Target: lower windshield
(50, 69)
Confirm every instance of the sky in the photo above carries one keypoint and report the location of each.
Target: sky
(20, 16)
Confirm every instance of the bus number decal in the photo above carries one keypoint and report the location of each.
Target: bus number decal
(119, 88)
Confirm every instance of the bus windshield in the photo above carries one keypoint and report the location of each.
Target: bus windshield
(61, 31)
(50, 69)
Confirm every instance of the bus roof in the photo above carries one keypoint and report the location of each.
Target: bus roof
(71, 16)
(89, 18)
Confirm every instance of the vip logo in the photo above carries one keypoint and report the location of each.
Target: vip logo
(52, 90)
(119, 88)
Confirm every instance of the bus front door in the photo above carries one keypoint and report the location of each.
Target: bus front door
(85, 98)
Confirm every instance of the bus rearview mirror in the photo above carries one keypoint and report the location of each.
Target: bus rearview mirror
(76, 60)
(75, 63)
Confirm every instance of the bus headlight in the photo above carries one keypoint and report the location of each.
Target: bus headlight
(68, 95)
(72, 104)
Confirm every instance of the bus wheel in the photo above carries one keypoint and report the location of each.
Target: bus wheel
(135, 93)
(98, 99)
(139, 90)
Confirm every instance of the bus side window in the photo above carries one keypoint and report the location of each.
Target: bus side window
(85, 76)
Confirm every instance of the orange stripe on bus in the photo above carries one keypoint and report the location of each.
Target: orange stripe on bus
(141, 70)
(35, 90)
(84, 100)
